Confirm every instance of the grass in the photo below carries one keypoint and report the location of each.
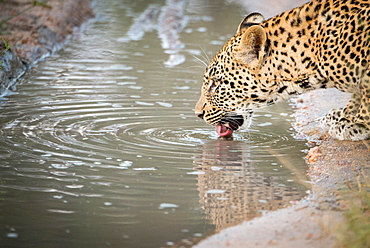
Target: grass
(356, 230)
(7, 47)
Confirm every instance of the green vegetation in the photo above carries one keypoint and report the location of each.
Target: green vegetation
(356, 231)
(7, 47)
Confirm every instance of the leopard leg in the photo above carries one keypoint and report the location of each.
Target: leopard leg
(331, 118)
(335, 115)
(363, 114)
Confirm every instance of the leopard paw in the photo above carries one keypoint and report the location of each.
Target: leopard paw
(331, 118)
(345, 129)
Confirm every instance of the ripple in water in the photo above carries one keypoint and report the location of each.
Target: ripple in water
(100, 128)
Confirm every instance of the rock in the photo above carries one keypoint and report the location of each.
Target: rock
(11, 69)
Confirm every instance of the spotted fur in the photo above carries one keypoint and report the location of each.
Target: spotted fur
(322, 44)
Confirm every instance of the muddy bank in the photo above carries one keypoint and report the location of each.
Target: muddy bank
(34, 29)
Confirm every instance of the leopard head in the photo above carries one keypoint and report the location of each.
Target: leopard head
(230, 90)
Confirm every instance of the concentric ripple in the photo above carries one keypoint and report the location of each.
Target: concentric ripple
(100, 129)
(87, 130)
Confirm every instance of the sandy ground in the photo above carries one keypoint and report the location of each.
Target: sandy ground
(297, 226)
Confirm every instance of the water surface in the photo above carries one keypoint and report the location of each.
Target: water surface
(99, 146)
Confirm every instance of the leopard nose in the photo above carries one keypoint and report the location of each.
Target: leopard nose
(200, 115)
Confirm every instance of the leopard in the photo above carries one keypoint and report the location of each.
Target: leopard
(321, 44)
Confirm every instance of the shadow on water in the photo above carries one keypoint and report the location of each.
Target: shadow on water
(99, 146)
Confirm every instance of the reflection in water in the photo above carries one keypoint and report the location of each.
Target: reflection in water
(170, 21)
(232, 187)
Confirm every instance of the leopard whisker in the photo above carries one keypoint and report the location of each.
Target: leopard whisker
(205, 55)
(200, 61)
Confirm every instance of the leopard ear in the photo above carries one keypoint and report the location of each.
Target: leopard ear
(252, 46)
(250, 20)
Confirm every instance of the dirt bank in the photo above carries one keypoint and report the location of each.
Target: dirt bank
(34, 29)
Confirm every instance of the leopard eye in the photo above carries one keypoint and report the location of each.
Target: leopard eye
(213, 85)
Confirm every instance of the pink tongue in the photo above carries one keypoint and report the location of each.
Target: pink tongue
(223, 131)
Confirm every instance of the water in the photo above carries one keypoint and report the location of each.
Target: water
(99, 146)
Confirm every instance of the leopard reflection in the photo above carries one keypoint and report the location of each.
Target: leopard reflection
(233, 187)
